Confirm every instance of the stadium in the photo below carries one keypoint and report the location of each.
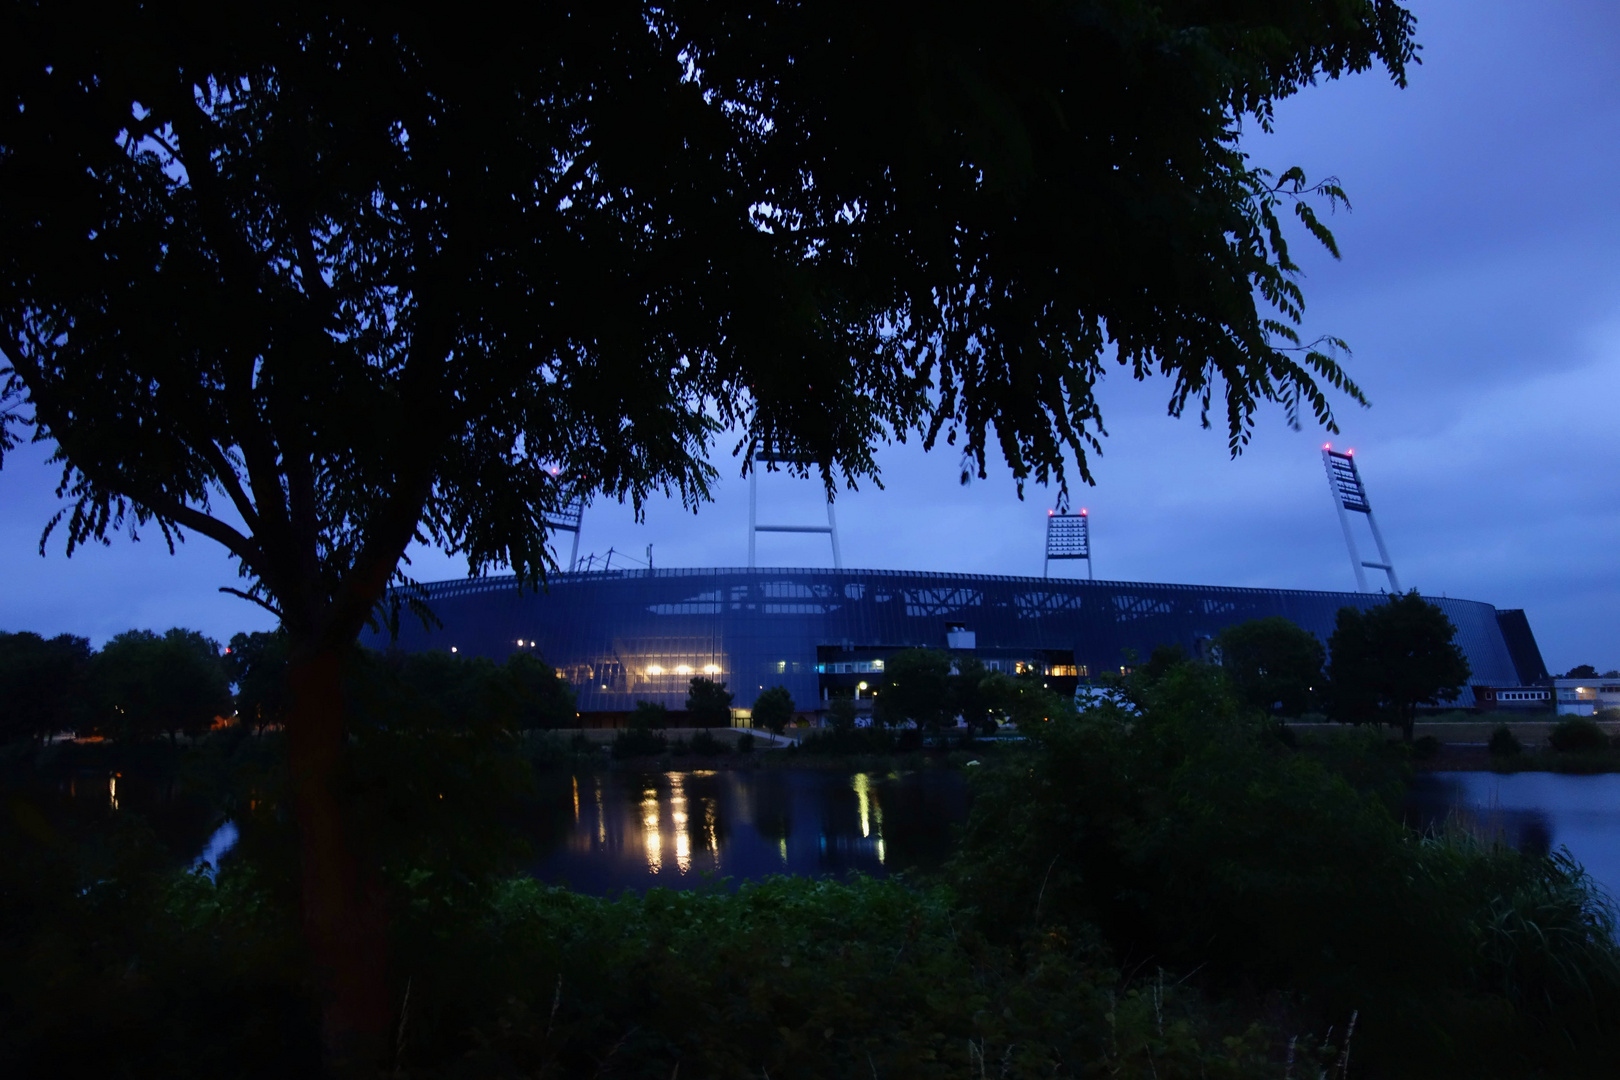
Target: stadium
(629, 635)
(622, 636)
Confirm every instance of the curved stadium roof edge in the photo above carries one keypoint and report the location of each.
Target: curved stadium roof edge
(499, 582)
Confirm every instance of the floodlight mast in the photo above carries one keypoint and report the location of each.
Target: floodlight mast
(754, 528)
(568, 519)
(1350, 496)
(1068, 536)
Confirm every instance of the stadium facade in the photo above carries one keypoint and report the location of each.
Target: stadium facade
(625, 636)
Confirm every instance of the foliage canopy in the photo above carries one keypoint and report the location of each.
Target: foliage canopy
(708, 703)
(1391, 658)
(1275, 664)
(316, 282)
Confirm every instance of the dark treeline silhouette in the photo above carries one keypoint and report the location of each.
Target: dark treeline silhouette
(143, 685)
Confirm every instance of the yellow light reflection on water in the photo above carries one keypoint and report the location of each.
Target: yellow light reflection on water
(601, 815)
(782, 847)
(677, 816)
(711, 831)
(112, 790)
(871, 811)
(576, 800)
(649, 830)
(863, 795)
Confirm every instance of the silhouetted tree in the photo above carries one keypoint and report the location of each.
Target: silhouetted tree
(916, 686)
(1581, 671)
(42, 684)
(315, 282)
(257, 664)
(544, 699)
(649, 716)
(144, 685)
(773, 709)
(708, 703)
(841, 714)
(1390, 659)
(1274, 664)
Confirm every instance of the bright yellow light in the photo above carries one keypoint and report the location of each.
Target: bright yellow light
(649, 830)
(655, 670)
(677, 814)
(683, 669)
(711, 669)
(863, 686)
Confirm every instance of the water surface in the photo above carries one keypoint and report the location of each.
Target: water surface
(629, 830)
(1535, 811)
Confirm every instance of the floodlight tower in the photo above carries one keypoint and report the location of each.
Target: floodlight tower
(754, 528)
(1068, 536)
(567, 519)
(1350, 496)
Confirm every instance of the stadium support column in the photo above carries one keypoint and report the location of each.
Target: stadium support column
(1350, 496)
(755, 528)
(1068, 536)
(832, 529)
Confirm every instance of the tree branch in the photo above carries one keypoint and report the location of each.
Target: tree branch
(271, 608)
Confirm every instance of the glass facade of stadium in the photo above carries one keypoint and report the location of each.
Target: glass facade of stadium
(625, 636)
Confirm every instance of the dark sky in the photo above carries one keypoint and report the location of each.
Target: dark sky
(1479, 291)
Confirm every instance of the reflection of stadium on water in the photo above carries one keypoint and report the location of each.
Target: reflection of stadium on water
(623, 636)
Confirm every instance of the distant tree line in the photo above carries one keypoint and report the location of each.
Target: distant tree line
(1381, 665)
(143, 686)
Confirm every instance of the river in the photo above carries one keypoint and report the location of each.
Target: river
(633, 830)
(606, 831)
(1534, 811)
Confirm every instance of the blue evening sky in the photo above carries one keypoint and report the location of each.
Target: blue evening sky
(1479, 291)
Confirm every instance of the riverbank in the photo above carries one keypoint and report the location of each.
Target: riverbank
(739, 749)
(1463, 746)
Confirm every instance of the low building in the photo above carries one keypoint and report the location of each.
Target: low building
(1587, 696)
(1513, 698)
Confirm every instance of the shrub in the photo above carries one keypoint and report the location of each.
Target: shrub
(853, 740)
(745, 743)
(706, 744)
(1504, 743)
(1425, 747)
(638, 742)
(1177, 826)
(1578, 734)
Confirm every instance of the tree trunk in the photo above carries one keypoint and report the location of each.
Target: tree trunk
(344, 908)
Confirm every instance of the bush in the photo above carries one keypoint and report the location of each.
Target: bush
(638, 742)
(800, 978)
(1504, 743)
(1578, 734)
(1179, 828)
(705, 743)
(849, 740)
(745, 743)
(1425, 747)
